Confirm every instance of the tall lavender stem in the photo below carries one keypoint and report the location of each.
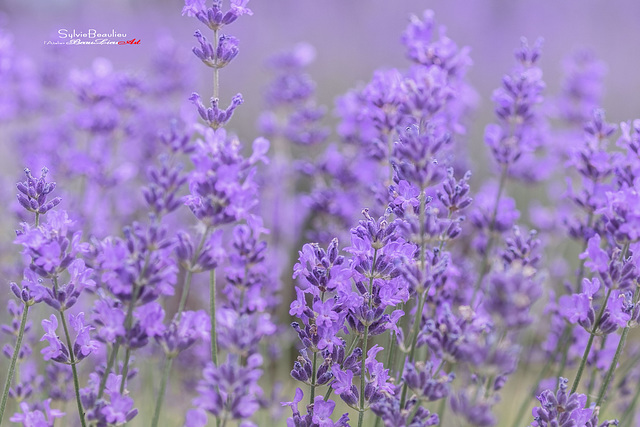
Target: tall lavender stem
(421, 300)
(163, 387)
(113, 356)
(485, 258)
(364, 343)
(189, 275)
(216, 70)
(14, 359)
(587, 350)
(314, 368)
(76, 383)
(212, 309)
(128, 322)
(616, 358)
(593, 332)
(612, 368)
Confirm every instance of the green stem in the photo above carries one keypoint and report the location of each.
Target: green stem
(76, 383)
(189, 276)
(212, 310)
(414, 340)
(390, 149)
(216, 70)
(14, 359)
(352, 346)
(592, 334)
(485, 257)
(312, 395)
(612, 368)
(37, 219)
(569, 328)
(580, 274)
(125, 369)
(616, 358)
(595, 326)
(390, 352)
(110, 361)
(363, 378)
(163, 387)
(443, 236)
(393, 345)
(592, 376)
(185, 292)
(128, 321)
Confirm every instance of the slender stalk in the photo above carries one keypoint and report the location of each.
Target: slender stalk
(216, 70)
(485, 257)
(113, 355)
(328, 393)
(185, 291)
(389, 364)
(212, 311)
(128, 323)
(592, 334)
(390, 149)
(74, 370)
(616, 358)
(580, 274)
(189, 276)
(440, 366)
(314, 368)
(421, 301)
(352, 346)
(592, 376)
(14, 359)
(163, 387)
(585, 355)
(125, 369)
(579, 278)
(363, 378)
(612, 368)
(414, 340)
(595, 326)
(312, 395)
(391, 348)
(37, 219)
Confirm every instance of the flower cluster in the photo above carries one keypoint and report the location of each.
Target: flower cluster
(415, 291)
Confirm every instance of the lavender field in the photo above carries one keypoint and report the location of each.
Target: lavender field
(319, 214)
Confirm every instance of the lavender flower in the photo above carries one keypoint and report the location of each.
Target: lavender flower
(515, 108)
(562, 408)
(34, 191)
(230, 390)
(41, 415)
(57, 350)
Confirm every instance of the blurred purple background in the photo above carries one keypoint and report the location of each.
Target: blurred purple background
(352, 38)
